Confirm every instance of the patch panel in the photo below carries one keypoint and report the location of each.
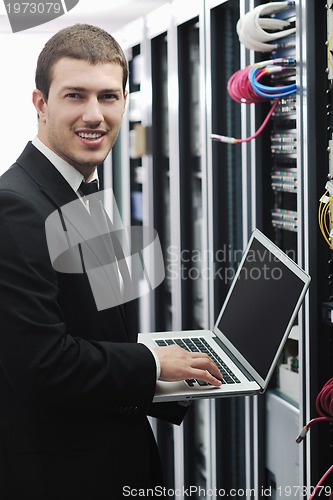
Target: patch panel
(286, 108)
(284, 219)
(284, 142)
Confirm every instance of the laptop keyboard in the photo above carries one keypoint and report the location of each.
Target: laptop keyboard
(199, 344)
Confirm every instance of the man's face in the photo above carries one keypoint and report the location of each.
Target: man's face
(81, 119)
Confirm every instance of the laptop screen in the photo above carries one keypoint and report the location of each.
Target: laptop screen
(260, 305)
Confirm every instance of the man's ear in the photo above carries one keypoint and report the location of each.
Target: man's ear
(39, 102)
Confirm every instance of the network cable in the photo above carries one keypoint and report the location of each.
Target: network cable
(260, 33)
(324, 407)
(325, 215)
(265, 90)
(244, 88)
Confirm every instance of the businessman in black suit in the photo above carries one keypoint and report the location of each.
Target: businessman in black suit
(73, 424)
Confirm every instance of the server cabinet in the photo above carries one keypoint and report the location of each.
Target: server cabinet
(269, 167)
(273, 189)
(319, 134)
(187, 210)
(161, 175)
(279, 196)
(131, 158)
(192, 248)
(204, 198)
(225, 208)
(158, 24)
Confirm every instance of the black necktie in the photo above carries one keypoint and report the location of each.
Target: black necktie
(87, 188)
(101, 221)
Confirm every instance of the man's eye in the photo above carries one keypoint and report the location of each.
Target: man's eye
(73, 95)
(109, 96)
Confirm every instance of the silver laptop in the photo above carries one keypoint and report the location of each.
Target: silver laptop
(252, 327)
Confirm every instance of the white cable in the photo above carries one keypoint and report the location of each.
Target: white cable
(270, 62)
(252, 30)
(251, 27)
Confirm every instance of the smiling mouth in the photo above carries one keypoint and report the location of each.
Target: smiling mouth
(92, 136)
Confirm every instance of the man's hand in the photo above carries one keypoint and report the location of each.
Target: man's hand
(178, 364)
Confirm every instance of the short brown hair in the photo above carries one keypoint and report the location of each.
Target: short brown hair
(81, 41)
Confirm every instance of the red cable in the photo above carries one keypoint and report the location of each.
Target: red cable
(325, 476)
(324, 401)
(324, 406)
(240, 88)
(262, 126)
(241, 91)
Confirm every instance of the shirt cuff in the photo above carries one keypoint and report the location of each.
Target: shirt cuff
(158, 364)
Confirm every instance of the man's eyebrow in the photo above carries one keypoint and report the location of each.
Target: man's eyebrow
(73, 89)
(111, 91)
(83, 89)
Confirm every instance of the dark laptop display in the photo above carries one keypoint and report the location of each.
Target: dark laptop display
(263, 300)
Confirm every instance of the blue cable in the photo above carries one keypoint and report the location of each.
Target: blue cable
(269, 92)
(255, 84)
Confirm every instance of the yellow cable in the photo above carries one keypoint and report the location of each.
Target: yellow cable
(325, 220)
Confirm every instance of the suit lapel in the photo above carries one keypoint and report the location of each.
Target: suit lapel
(46, 176)
(54, 186)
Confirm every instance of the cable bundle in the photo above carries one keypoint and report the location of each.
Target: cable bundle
(251, 28)
(241, 89)
(244, 88)
(324, 401)
(325, 216)
(266, 91)
(324, 407)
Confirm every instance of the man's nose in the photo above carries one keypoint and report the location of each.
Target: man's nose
(92, 112)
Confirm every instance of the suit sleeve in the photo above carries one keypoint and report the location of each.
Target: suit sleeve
(171, 412)
(39, 357)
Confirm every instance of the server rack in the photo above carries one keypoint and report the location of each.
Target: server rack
(319, 136)
(224, 171)
(158, 24)
(253, 211)
(206, 198)
(190, 53)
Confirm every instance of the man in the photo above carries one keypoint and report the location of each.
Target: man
(75, 387)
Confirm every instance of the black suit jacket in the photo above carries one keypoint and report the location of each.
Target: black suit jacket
(72, 421)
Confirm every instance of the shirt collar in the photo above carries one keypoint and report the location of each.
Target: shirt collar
(72, 176)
